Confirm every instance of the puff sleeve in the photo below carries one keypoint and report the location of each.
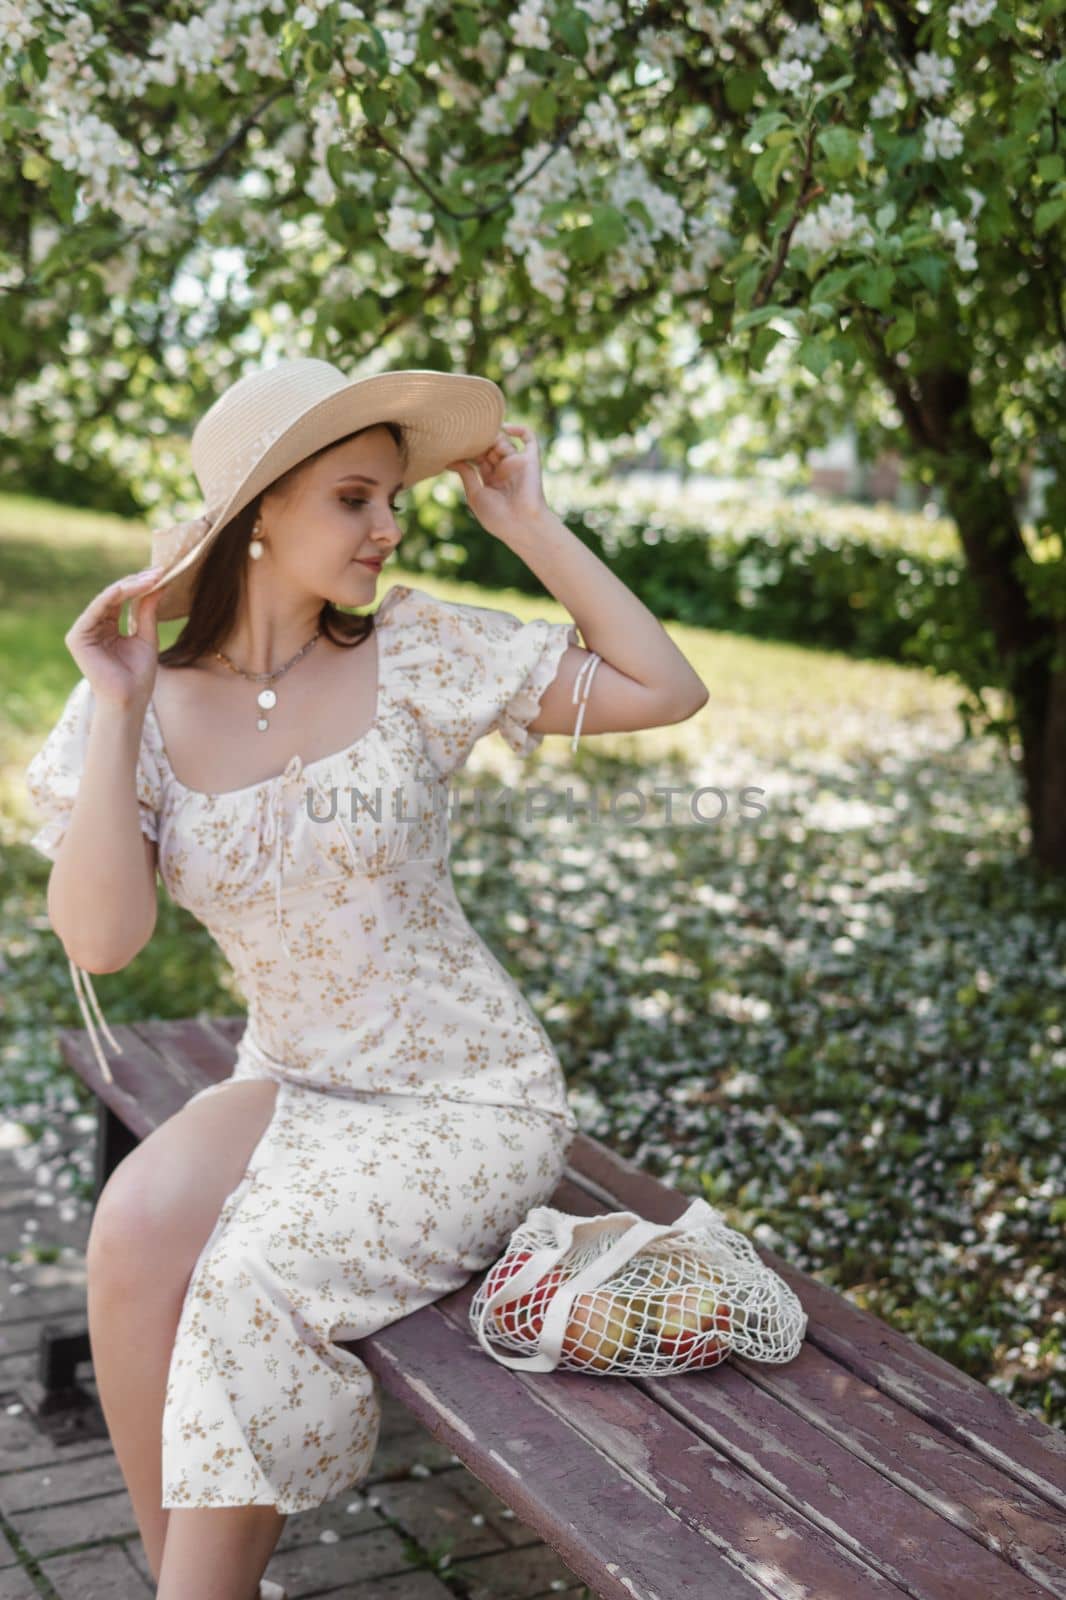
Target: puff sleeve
(54, 774)
(471, 670)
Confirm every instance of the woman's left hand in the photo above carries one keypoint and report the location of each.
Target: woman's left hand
(508, 494)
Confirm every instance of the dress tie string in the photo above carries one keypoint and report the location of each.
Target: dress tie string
(584, 678)
(80, 977)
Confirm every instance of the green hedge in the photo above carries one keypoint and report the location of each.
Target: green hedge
(870, 582)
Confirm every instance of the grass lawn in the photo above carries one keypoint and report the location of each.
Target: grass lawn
(840, 1020)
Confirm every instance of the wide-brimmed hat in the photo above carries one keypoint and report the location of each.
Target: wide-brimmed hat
(273, 418)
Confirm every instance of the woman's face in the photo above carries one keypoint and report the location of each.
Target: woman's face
(331, 520)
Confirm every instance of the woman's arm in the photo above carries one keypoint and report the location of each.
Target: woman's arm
(101, 890)
(642, 679)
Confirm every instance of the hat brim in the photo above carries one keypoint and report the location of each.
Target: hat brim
(447, 416)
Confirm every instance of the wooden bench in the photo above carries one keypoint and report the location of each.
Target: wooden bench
(866, 1468)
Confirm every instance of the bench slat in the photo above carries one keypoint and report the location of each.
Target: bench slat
(149, 1087)
(614, 1532)
(738, 1409)
(1015, 1442)
(772, 1541)
(902, 1537)
(943, 1474)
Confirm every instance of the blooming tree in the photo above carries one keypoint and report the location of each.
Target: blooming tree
(857, 209)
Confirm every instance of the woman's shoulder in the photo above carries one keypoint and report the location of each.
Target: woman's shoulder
(413, 616)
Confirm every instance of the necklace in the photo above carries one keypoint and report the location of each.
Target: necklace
(266, 698)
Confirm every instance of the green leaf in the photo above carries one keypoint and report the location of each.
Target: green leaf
(593, 241)
(740, 88)
(747, 283)
(751, 319)
(38, 56)
(840, 146)
(826, 89)
(761, 345)
(831, 285)
(365, 311)
(1049, 213)
(815, 355)
(929, 270)
(467, 26)
(570, 27)
(542, 110)
(766, 123)
(35, 167)
(336, 164)
(901, 331)
(874, 287)
(376, 106)
(767, 170)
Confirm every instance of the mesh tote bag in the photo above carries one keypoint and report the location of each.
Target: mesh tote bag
(616, 1293)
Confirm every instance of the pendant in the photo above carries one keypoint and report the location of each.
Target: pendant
(262, 724)
(267, 698)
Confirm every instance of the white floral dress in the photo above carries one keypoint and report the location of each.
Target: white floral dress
(421, 1109)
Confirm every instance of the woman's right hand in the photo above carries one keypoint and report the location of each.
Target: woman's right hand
(120, 667)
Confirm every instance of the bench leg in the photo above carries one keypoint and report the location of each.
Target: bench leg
(60, 1350)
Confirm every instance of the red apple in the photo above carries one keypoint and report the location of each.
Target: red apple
(522, 1317)
(598, 1329)
(684, 1318)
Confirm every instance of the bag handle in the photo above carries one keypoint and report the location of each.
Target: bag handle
(550, 1339)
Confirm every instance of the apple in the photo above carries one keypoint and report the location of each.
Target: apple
(523, 1316)
(598, 1329)
(684, 1318)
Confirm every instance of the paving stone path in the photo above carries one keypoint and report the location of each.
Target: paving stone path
(423, 1527)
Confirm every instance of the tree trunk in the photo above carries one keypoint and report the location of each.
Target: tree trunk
(996, 553)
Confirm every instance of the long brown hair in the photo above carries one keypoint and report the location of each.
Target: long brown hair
(216, 596)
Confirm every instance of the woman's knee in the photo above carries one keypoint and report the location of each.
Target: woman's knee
(133, 1224)
(160, 1204)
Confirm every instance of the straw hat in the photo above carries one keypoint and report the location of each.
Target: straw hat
(273, 418)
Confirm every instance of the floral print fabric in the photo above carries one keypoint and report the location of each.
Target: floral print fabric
(421, 1109)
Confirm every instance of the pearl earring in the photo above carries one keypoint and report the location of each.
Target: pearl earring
(255, 546)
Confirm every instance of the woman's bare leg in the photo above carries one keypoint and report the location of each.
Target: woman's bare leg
(217, 1553)
(152, 1219)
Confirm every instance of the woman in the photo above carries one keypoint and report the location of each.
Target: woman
(395, 1108)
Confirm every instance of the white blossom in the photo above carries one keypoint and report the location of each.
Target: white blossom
(547, 271)
(320, 186)
(466, 94)
(806, 40)
(400, 46)
(955, 232)
(404, 228)
(885, 102)
(833, 223)
(261, 52)
(632, 182)
(969, 13)
(601, 126)
(18, 23)
(717, 20)
(788, 76)
(942, 138)
(660, 47)
(531, 29)
(932, 74)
